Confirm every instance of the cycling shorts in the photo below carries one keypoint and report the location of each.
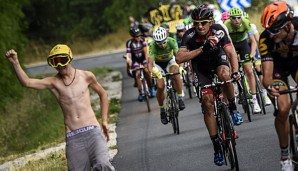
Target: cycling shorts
(164, 67)
(243, 50)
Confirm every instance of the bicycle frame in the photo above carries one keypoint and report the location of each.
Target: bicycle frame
(244, 92)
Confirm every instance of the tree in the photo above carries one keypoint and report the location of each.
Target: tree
(11, 36)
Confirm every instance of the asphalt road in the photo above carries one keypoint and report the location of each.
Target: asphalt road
(144, 144)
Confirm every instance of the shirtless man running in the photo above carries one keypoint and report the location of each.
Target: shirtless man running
(86, 146)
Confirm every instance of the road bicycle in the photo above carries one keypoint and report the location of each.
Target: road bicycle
(293, 120)
(244, 95)
(145, 87)
(172, 108)
(225, 126)
(187, 79)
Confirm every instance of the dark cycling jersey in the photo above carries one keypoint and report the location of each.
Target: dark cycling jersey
(204, 64)
(179, 40)
(285, 57)
(137, 50)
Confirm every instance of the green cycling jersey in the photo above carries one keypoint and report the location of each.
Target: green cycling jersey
(163, 55)
(241, 33)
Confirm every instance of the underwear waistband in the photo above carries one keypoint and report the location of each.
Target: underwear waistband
(80, 130)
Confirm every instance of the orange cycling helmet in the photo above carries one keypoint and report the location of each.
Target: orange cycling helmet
(276, 14)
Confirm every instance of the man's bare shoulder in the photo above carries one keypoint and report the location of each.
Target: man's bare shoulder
(88, 75)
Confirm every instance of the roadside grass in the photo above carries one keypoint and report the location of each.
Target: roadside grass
(36, 123)
(52, 162)
(38, 51)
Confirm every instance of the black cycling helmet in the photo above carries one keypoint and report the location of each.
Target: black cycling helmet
(145, 27)
(202, 12)
(134, 32)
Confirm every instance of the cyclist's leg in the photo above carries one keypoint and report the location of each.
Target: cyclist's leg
(223, 72)
(203, 77)
(149, 79)
(138, 81)
(160, 95)
(281, 119)
(245, 55)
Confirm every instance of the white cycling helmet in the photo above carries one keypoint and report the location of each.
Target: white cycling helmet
(180, 26)
(160, 34)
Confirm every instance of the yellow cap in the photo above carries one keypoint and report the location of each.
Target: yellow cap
(60, 49)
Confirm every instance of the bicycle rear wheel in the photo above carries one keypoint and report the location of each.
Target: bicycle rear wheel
(230, 142)
(187, 83)
(174, 112)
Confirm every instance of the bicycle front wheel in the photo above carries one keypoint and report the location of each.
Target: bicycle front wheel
(230, 142)
(174, 112)
(293, 142)
(245, 98)
(147, 94)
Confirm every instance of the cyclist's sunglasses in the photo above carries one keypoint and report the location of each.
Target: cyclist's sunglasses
(162, 42)
(275, 31)
(235, 18)
(62, 60)
(203, 22)
(137, 36)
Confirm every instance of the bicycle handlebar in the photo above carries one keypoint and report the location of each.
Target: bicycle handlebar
(168, 74)
(138, 68)
(288, 91)
(218, 84)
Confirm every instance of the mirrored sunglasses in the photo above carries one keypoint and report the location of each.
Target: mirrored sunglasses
(235, 18)
(62, 60)
(276, 31)
(161, 43)
(203, 22)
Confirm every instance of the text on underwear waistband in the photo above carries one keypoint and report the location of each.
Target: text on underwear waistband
(80, 130)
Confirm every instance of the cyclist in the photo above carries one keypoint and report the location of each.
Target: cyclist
(71, 86)
(258, 58)
(207, 45)
(225, 16)
(238, 28)
(279, 53)
(180, 27)
(167, 27)
(162, 53)
(136, 54)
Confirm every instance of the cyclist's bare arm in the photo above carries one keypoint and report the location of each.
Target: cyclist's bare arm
(253, 45)
(104, 101)
(184, 55)
(39, 84)
(232, 55)
(146, 53)
(150, 64)
(128, 59)
(267, 69)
